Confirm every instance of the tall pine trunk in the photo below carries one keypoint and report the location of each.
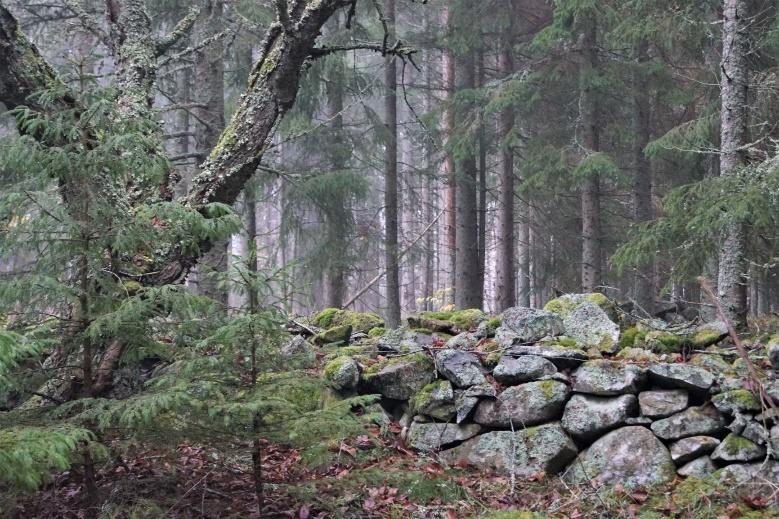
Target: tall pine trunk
(391, 177)
(504, 262)
(590, 140)
(467, 291)
(447, 127)
(731, 283)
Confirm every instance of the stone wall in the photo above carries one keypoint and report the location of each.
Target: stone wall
(569, 390)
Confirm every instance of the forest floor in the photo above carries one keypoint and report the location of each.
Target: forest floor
(370, 476)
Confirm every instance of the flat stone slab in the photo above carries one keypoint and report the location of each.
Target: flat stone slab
(462, 368)
(693, 421)
(663, 403)
(687, 449)
(526, 368)
(433, 436)
(681, 376)
(608, 378)
(560, 356)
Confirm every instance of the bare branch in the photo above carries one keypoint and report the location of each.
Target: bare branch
(179, 31)
(89, 22)
(396, 50)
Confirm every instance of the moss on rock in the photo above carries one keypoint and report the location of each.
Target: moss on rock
(359, 321)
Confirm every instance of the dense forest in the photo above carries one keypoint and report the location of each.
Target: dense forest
(381, 258)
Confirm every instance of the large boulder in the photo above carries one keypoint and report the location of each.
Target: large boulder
(561, 356)
(433, 436)
(462, 368)
(631, 456)
(400, 377)
(528, 325)
(663, 403)
(687, 449)
(300, 351)
(435, 400)
(586, 417)
(608, 378)
(772, 348)
(526, 368)
(342, 373)
(737, 448)
(524, 405)
(680, 376)
(586, 318)
(526, 452)
(693, 421)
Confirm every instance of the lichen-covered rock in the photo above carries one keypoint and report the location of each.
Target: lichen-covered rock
(697, 468)
(589, 325)
(341, 333)
(526, 368)
(434, 436)
(755, 432)
(608, 378)
(688, 449)
(631, 455)
(342, 373)
(561, 356)
(737, 401)
(300, 351)
(435, 400)
(712, 362)
(567, 303)
(760, 473)
(526, 452)
(737, 448)
(404, 341)
(462, 368)
(586, 417)
(681, 376)
(637, 355)
(466, 400)
(707, 334)
(524, 405)
(462, 341)
(662, 403)
(772, 348)
(693, 421)
(528, 325)
(400, 377)
(359, 321)
(487, 328)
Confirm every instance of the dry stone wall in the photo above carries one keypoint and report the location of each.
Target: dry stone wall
(562, 391)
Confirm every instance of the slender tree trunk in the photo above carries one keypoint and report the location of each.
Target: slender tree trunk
(731, 285)
(467, 291)
(482, 230)
(447, 127)
(590, 141)
(430, 193)
(504, 265)
(644, 292)
(391, 177)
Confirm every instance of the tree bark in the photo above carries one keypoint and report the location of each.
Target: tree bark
(590, 141)
(731, 283)
(447, 127)
(644, 292)
(391, 176)
(504, 261)
(467, 291)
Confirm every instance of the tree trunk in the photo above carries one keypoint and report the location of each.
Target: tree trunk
(467, 291)
(731, 283)
(391, 177)
(504, 261)
(447, 127)
(644, 292)
(590, 141)
(482, 186)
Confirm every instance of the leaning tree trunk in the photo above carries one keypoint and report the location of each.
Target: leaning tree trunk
(731, 283)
